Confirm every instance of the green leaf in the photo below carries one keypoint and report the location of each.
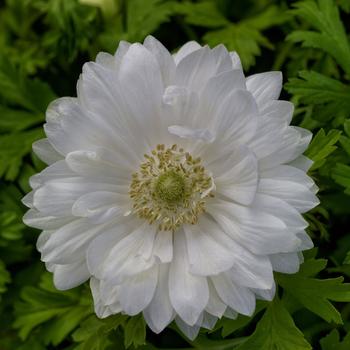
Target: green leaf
(13, 120)
(143, 20)
(347, 259)
(315, 88)
(4, 278)
(332, 341)
(345, 5)
(94, 333)
(330, 34)
(229, 326)
(276, 331)
(345, 142)
(203, 14)
(341, 175)
(135, 331)
(246, 36)
(347, 127)
(13, 147)
(59, 312)
(315, 294)
(322, 146)
(31, 94)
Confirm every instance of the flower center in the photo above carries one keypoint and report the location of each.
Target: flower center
(170, 188)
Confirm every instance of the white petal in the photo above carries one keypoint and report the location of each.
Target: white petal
(302, 163)
(236, 61)
(101, 164)
(196, 69)
(189, 294)
(273, 123)
(106, 59)
(286, 212)
(130, 255)
(231, 314)
(295, 142)
(208, 249)
(285, 262)
(159, 313)
(291, 185)
(55, 171)
(208, 321)
(101, 310)
(106, 112)
(163, 246)
(253, 228)
(222, 58)
(42, 239)
(306, 242)
(165, 60)
(278, 110)
(185, 50)
(28, 199)
(109, 293)
(214, 93)
(266, 294)
(122, 49)
(65, 119)
(137, 291)
(99, 249)
(142, 88)
(69, 243)
(265, 86)
(65, 192)
(43, 149)
(236, 119)
(236, 175)
(215, 305)
(101, 206)
(189, 331)
(179, 104)
(70, 275)
(190, 133)
(239, 298)
(254, 271)
(35, 218)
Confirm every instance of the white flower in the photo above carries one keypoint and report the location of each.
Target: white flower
(175, 184)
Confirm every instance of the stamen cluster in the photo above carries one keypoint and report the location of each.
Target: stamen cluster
(170, 188)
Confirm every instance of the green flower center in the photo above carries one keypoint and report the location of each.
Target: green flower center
(170, 187)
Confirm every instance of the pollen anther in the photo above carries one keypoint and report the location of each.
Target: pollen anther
(170, 188)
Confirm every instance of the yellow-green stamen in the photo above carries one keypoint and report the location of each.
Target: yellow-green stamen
(170, 188)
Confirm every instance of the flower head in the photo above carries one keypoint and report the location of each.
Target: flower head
(174, 183)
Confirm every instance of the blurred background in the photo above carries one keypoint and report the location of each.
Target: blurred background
(43, 45)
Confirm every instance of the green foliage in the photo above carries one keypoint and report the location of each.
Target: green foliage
(329, 34)
(99, 334)
(58, 313)
(43, 45)
(244, 36)
(142, 20)
(341, 175)
(315, 294)
(332, 342)
(276, 330)
(322, 146)
(318, 89)
(24, 103)
(4, 278)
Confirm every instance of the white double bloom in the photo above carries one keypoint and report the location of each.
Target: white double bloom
(175, 184)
